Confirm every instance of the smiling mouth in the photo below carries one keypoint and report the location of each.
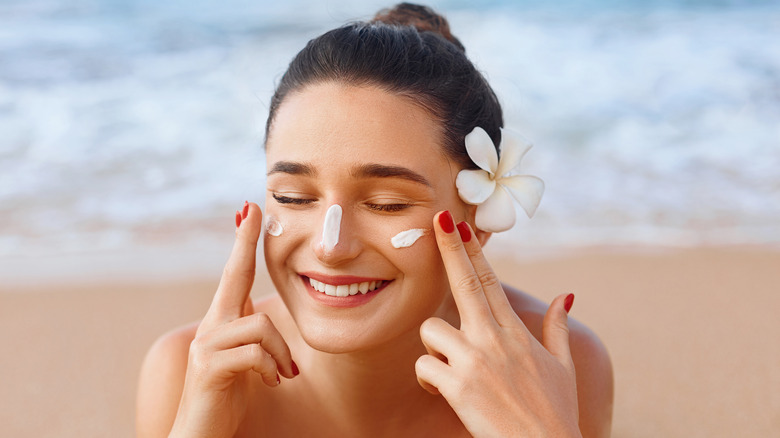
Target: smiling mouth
(345, 290)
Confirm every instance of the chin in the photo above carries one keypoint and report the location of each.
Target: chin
(340, 336)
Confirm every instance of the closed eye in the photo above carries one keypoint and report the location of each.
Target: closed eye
(388, 207)
(288, 200)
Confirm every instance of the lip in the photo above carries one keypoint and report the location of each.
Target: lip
(336, 280)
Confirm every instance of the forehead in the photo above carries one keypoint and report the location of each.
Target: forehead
(348, 124)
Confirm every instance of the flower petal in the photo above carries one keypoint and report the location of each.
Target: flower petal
(474, 186)
(497, 213)
(526, 189)
(481, 150)
(513, 148)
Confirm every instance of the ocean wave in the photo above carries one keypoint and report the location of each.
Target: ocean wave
(141, 122)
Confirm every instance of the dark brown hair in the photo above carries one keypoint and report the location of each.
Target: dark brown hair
(409, 51)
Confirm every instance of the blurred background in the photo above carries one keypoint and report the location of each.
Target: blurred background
(130, 132)
(138, 125)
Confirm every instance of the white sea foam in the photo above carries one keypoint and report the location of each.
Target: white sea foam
(650, 125)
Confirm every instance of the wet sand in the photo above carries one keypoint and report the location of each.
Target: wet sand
(692, 334)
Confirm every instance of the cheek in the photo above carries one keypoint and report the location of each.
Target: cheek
(283, 230)
(273, 226)
(424, 277)
(421, 263)
(407, 238)
(409, 244)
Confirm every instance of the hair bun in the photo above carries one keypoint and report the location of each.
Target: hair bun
(423, 18)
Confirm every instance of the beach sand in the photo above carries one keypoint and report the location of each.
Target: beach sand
(692, 333)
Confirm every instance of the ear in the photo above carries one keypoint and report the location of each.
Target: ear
(482, 236)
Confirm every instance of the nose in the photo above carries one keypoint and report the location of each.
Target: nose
(336, 242)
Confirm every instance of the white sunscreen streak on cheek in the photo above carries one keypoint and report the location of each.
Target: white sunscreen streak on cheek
(273, 227)
(331, 228)
(405, 239)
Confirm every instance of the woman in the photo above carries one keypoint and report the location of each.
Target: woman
(388, 319)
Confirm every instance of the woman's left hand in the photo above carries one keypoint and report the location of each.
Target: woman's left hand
(499, 380)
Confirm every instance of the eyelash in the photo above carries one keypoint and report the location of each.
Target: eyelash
(287, 200)
(388, 208)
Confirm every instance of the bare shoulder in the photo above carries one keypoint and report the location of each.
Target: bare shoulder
(161, 380)
(595, 385)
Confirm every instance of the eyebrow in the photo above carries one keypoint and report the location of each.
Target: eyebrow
(293, 168)
(361, 171)
(386, 171)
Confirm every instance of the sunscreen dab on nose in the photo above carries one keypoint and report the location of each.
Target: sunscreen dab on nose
(405, 239)
(331, 228)
(273, 227)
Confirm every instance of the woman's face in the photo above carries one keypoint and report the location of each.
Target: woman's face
(379, 157)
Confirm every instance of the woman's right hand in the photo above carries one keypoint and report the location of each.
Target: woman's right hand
(231, 342)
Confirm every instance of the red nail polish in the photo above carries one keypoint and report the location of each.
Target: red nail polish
(238, 219)
(295, 369)
(246, 210)
(446, 222)
(567, 303)
(465, 233)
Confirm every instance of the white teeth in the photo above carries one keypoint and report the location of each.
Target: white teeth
(344, 290)
(319, 286)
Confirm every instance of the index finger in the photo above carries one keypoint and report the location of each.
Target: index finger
(464, 281)
(239, 273)
(494, 291)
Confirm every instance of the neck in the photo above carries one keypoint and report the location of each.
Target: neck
(372, 383)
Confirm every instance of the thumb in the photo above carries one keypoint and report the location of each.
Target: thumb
(555, 328)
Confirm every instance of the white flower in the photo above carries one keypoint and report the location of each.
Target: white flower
(488, 187)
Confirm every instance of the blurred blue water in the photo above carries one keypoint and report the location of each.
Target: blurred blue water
(140, 122)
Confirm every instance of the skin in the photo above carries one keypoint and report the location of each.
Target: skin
(443, 350)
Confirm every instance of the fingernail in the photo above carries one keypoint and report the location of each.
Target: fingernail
(246, 210)
(295, 369)
(465, 233)
(238, 219)
(446, 222)
(567, 303)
